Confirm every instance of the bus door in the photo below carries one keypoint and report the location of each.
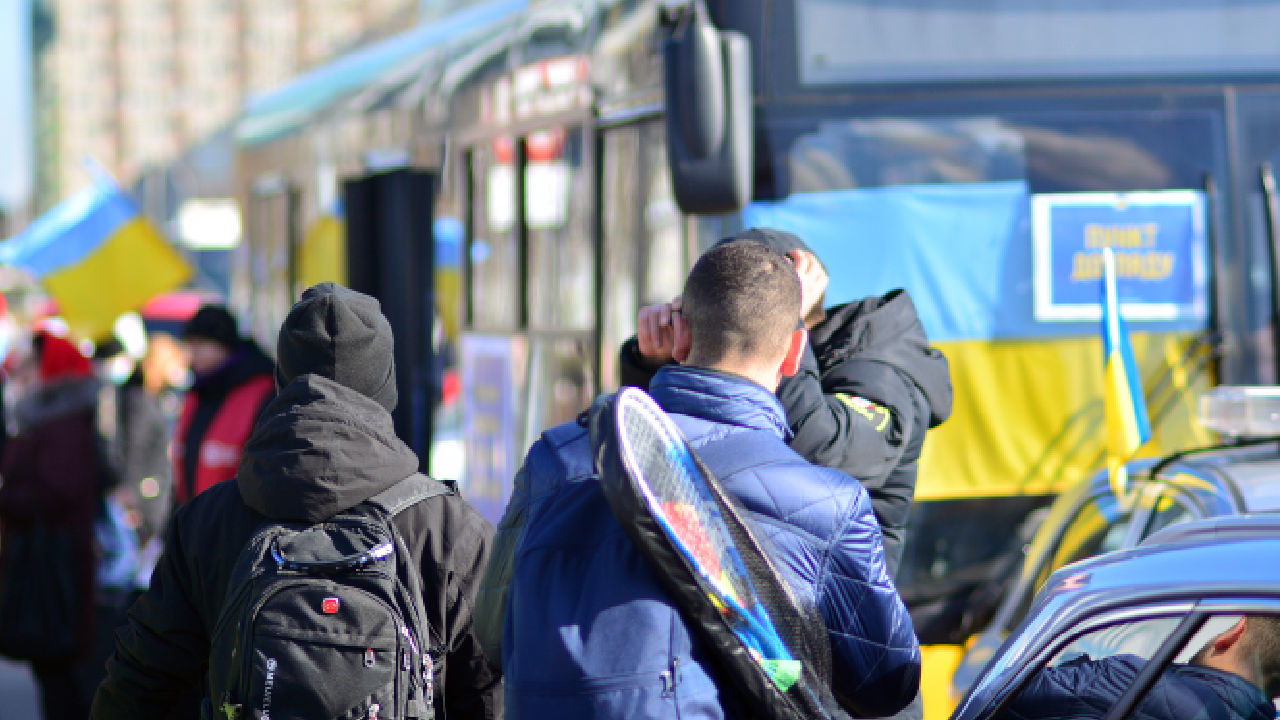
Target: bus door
(1254, 262)
(390, 255)
(272, 212)
(529, 348)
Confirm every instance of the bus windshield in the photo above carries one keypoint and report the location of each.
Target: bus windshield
(878, 41)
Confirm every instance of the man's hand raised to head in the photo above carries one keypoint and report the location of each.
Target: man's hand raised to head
(662, 334)
(813, 280)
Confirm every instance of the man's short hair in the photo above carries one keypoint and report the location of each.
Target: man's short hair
(1262, 638)
(741, 299)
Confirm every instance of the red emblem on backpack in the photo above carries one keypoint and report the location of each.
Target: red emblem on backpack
(330, 605)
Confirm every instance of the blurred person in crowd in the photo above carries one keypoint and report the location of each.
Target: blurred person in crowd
(1233, 677)
(232, 383)
(868, 388)
(55, 472)
(141, 428)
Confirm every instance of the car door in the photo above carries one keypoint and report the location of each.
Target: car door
(1162, 662)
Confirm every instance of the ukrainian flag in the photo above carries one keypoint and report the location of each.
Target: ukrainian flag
(98, 256)
(1126, 410)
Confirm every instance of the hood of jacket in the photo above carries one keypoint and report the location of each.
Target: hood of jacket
(56, 399)
(886, 330)
(318, 449)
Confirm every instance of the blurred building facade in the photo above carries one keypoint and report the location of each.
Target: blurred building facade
(134, 83)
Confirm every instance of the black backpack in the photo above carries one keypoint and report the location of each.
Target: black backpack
(327, 620)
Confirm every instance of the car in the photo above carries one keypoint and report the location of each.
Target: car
(1242, 476)
(1152, 608)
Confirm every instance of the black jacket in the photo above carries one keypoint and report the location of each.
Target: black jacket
(868, 388)
(1084, 689)
(319, 448)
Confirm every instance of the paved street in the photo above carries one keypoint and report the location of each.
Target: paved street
(17, 692)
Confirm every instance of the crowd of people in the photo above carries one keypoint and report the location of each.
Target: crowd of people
(812, 419)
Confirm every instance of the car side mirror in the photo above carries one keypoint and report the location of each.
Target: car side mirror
(707, 87)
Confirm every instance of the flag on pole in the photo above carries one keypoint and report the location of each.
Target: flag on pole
(98, 256)
(1126, 409)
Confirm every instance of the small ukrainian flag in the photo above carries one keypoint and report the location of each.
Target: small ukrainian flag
(1126, 409)
(98, 256)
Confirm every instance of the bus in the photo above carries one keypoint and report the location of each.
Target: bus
(516, 178)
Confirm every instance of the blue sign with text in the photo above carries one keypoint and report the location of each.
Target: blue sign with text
(1158, 238)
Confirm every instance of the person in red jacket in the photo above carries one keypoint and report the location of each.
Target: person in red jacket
(233, 382)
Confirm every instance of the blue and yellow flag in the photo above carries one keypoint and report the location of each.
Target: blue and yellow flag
(98, 256)
(1126, 409)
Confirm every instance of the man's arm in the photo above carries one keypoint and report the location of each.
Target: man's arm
(472, 684)
(495, 585)
(874, 652)
(633, 369)
(162, 650)
(1080, 688)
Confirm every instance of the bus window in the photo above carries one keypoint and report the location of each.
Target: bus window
(620, 243)
(645, 255)
(557, 214)
(560, 382)
(665, 249)
(494, 287)
(270, 211)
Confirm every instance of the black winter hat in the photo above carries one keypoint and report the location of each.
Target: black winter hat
(340, 334)
(213, 322)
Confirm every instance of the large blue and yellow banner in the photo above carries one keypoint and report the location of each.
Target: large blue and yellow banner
(99, 257)
(1029, 400)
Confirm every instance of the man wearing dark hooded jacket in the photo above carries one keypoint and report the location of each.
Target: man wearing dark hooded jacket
(324, 445)
(868, 388)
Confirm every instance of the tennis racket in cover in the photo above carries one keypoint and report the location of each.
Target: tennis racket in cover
(665, 481)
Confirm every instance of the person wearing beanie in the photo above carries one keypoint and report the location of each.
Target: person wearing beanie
(55, 474)
(325, 444)
(233, 382)
(868, 388)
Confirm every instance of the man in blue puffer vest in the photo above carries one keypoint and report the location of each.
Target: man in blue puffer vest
(580, 621)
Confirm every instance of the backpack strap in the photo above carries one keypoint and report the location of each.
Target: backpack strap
(409, 492)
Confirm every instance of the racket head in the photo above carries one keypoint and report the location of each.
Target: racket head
(677, 491)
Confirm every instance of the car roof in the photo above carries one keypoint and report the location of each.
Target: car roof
(1214, 556)
(1219, 528)
(1247, 476)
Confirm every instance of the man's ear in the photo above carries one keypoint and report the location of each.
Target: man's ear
(795, 351)
(683, 337)
(1228, 639)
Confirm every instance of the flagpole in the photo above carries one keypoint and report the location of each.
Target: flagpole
(1117, 473)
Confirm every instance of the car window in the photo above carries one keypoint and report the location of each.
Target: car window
(1139, 639)
(1227, 670)
(1174, 507)
(1100, 526)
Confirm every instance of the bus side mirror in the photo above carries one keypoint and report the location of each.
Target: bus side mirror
(707, 87)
